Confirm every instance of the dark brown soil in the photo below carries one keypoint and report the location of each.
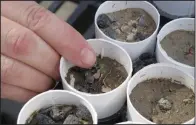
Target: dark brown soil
(130, 25)
(163, 101)
(106, 75)
(61, 114)
(180, 46)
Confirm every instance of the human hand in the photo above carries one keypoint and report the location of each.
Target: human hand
(32, 40)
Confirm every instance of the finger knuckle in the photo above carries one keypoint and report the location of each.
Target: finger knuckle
(17, 40)
(7, 66)
(37, 17)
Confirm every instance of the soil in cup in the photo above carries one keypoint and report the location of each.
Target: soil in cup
(61, 114)
(106, 75)
(128, 25)
(163, 101)
(180, 46)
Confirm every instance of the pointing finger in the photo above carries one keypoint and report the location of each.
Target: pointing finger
(61, 36)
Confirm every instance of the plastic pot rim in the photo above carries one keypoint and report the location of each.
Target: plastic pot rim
(121, 42)
(163, 52)
(130, 70)
(93, 112)
(143, 69)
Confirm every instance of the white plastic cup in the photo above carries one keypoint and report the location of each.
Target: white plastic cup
(106, 104)
(134, 49)
(52, 97)
(159, 70)
(175, 9)
(177, 24)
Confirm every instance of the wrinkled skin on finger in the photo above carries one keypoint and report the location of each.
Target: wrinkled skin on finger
(32, 41)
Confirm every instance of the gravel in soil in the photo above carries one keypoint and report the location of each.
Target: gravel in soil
(180, 46)
(163, 101)
(61, 114)
(106, 75)
(128, 25)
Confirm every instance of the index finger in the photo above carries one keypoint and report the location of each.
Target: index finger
(57, 33)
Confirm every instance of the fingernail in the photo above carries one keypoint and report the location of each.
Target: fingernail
(87, 57)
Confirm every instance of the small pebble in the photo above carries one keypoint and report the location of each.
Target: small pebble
(103, 21)
(94, 69)
(141, 21)
(134, 25)
(45, 110)
(156, 120)
(42, 119)
(164, 104)
(83, 113)
(134, 30)
(188, 101)
(155, 112)
(124, 28)
(71, 119)
(59, 114)
(89, 77)
(56, 114)
(97, 75)
(132, 22)
(130, 37)
(168, 112)
(106, 89)
(118, 31)
(81, 88)
(112, 18)
(115, 25)
(110, 33)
